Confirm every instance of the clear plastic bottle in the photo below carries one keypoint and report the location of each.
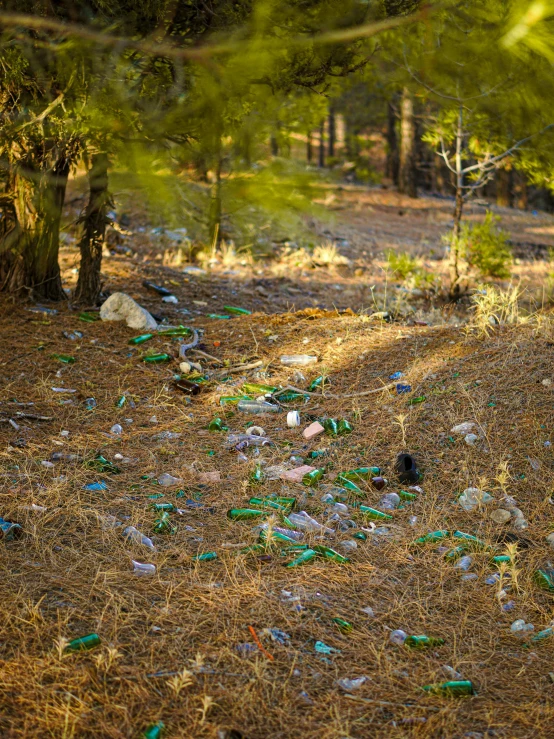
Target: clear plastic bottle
(398, 636)
(304, 522)
(340, 508)
(257, 407)
(116, 429)
(298, 360)
(166, 480)
(134, 535)
(348, 545)
(389, 501)
(464, 563)
(143, 569)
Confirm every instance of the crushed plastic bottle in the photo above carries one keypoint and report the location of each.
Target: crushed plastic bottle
(143, 569)
(473, 497)
(137, 537)
(521, 628)
(349, 684)
(116, 429)
(464, 563)
(298, 360)
(389, 501)
(166, 480)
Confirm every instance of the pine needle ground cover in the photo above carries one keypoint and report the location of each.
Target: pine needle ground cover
(192, 645)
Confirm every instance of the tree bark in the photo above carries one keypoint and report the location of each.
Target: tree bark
(274, 145)
(29, 248)
(321, 157)
(393, 160)
(457, 266)
(407, 174)
(216, 207)
(309, 147)
(332, 133)
(504, 188)
(94, 222)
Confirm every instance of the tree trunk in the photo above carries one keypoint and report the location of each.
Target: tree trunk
(274, 145)
(332, 133)
(457, 265)
(216, 208)
(393, 161)
(94, 228)
(407, 175)
(520, 190)
(29, 249)
(321, 157)
(504, 188)
(309, 147)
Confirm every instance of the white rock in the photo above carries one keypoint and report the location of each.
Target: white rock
(550, 539)
(500, 515)
(463, 428)
(185, 367)
(122, 307)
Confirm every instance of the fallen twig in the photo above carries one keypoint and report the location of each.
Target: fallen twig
(332, 395)
(30, 416)
(207, 356)
(242, 367)
(259, 644)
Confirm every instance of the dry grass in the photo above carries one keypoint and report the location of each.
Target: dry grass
(169, 642)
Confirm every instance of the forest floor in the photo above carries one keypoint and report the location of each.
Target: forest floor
(183, 646)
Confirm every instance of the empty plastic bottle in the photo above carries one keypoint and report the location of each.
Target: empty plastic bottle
(521, 628)
(137, 537)
(464, 563)
(82, 643)
(143, 569)
(166, 480)
(116, 429)
(304, 522)
(398, 636)
(347, 684)
(257, 407)
(452, 687)
(389, 501)
(10, 531)
(298, 360)
(340, 508)
(348, 545)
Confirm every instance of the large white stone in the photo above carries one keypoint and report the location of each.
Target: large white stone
(122, 307)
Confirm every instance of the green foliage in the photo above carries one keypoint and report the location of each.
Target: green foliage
(401, 264)
(485, 247)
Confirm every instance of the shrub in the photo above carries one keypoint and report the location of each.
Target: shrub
(401, 264)
(485, 247)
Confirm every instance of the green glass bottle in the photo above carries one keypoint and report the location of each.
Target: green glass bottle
(89, 317)
(500, 558)
(217, 316)
(348, 484)
(140, 339)
(544, 579)
(64, 358)
(317, 453)
(451, 687)
(360, 535)
(328, 553)
(232, 399)
(83, 643)
(252, 549)
(205, 557)
(361, 473)
(156, 358)
(373, 514)
(456, 553)
(216, 424)
(120, 402)
(163, 524)
(306, 556)
(319, 382)
(419, 399)
(237, 311)
(470, 538)
(291, 397)
(331, 427)
(266, 503)
(244, 514)
(253, 387)
(311, 479)
(343, 626)
(275, 536)
(406, 495)
(154, 731)
(344, 427)
(169, 507)
(101, 464)
(295, 548)
(257, 475)
(432, 536)
(175, 331)
(423, 642)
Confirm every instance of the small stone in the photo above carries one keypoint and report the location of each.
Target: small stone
(122, 307)
(500, 515)
(550, 539)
